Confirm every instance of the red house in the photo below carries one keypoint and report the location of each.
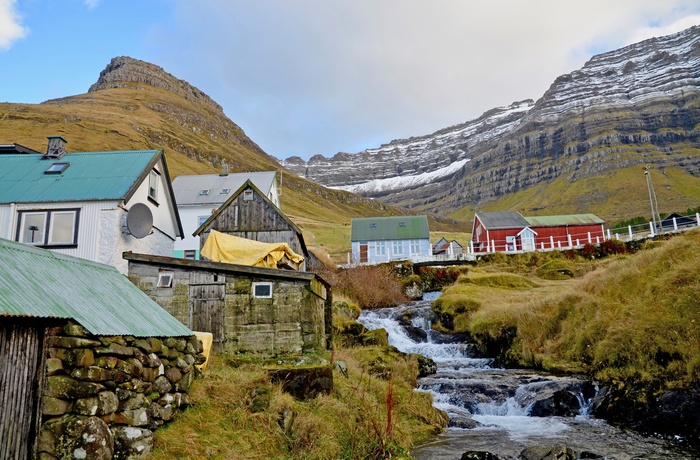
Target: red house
(510, 231)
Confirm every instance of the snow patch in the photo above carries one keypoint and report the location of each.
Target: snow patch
(402, 182)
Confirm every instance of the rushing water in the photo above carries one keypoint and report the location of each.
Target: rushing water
(490, 409)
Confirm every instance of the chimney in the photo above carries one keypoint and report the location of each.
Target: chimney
(56, 148)
(224, 169)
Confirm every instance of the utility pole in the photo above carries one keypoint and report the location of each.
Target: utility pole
(652, 199)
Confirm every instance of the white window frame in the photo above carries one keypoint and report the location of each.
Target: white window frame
(380, 248)
(47, 232)
(255, 294)
(397, 247)
(153, 180)
(165, 279)
(414, 246)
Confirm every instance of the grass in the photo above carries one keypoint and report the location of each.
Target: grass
(626, 317)
(238, 413)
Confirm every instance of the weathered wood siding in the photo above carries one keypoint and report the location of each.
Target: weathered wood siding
(22, 360)
(254, 219)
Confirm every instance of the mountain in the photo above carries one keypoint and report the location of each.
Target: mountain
(137, 105)
(581, 147)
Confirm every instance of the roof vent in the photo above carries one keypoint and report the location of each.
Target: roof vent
(56, 148)
(224, 169)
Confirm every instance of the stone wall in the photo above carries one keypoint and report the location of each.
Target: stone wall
(104, 396)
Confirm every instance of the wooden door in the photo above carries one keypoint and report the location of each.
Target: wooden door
(208, 305)
(363, 253)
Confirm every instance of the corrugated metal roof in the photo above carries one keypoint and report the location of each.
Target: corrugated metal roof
(90, 176)
(492, 220)
(389, 228)
(557, 221)
(36, 282)
(187, 188)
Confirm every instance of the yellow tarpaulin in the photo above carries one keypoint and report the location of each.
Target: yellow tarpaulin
(221, 247)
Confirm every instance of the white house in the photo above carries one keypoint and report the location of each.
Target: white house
(383, 239)
(198, 197)
(92, 205)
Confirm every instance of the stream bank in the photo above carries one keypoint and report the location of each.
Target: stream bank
(504, 411)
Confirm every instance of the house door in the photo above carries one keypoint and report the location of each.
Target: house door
(208, 306)
(527, 238)
(363, 253)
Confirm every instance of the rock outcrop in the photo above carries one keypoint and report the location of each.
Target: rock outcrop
(633, 106)
(123, 71)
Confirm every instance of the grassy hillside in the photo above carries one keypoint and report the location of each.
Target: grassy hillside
(630, 317)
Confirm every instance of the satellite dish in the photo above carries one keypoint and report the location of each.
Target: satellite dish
(139, 220)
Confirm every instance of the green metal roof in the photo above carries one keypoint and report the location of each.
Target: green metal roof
(36, 282)
(557, 221)
(390, 228)
(90, 176)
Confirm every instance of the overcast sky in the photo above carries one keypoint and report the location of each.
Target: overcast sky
(303, 77)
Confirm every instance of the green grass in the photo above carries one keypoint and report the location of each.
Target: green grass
(626, 317)
(373, 413)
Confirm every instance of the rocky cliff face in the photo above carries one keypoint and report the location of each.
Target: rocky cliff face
(639, 104)
(123, 71)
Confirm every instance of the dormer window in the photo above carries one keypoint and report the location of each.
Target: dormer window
(372, 225)
(225, 191)
(402, 224)
(204, 192)
(57, 168)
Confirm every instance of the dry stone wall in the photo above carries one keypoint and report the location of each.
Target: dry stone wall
(104, 396)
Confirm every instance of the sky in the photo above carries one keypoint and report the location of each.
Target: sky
(306, 77)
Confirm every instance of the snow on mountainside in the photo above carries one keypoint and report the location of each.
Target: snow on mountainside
(635, 105)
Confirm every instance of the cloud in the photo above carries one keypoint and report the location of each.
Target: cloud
(91, 3)
(313, 76)
(11, 29)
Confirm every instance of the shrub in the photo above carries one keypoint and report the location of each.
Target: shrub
(371, 286)
(435, 278)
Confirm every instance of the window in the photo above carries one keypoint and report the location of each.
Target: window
(165, 279)
(380, 248)
(247, 195)
(204, 192)
(262, 290)
(225, 191)
(57, 168)
(415, 246)
(372, 225)
(190, 254)
(48, 227)
(153, 185)
(402, 224)
(398, 247)
(201, 220)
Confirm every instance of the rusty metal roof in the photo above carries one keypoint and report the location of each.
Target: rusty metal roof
(558, 221)
(39, 283)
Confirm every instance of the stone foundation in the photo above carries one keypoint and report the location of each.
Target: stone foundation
(104, 396)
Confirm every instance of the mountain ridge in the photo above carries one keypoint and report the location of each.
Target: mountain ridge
(623, 108)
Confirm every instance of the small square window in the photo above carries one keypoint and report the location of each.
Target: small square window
(225, 191)
(402, 224)
(165, 279)
(262, 290)
(372, 225)
(204, 192)
(57, 168)
(248, 195)
(190, 254)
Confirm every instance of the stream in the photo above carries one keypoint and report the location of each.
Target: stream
(492, 409)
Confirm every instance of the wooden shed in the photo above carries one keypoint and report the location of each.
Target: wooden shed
(248, 213)
(56, 311)
(267, 311)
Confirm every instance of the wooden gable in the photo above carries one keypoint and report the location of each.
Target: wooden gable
(248, 213)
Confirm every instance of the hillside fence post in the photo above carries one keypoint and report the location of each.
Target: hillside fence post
(675, 224)
(629, 228)
(589, 238)
(651, 227)
(551, 241)
(570, 242)
(609, 237)
(697, 217)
